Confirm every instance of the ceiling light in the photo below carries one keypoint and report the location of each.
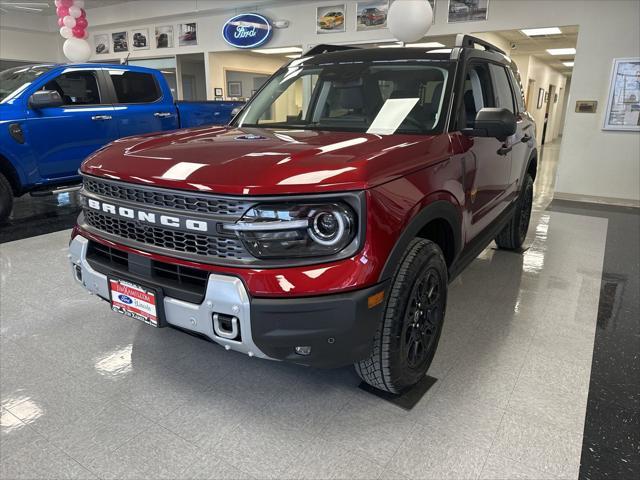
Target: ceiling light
(425, 45)
(276, 51)
(293, 56)
(536, 32)
(568, 64)
(562, 51)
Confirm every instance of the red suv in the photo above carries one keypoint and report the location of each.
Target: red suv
(321, 226)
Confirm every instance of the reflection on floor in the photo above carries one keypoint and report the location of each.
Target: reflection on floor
(88, 393)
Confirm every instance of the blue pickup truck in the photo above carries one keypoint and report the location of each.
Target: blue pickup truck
(53, 116)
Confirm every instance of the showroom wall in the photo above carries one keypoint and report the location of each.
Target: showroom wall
(593, 162)
(28, 38)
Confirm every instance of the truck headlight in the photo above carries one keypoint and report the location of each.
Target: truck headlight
(294, 230)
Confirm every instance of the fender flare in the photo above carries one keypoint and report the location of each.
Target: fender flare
(13, 173)
(439, 209)
(533, 156)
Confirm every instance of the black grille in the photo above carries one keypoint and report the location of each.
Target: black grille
(218, 247)
(183, 283)
(150, 197)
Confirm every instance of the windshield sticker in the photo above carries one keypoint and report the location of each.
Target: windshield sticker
(391, 115)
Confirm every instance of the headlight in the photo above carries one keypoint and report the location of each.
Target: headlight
(296, 230)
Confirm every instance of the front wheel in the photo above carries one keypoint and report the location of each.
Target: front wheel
(514, 233)
(408, 335)
(6, 199)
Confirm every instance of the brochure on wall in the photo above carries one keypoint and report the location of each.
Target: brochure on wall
(623, 106)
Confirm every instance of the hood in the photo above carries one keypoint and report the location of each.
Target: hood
(251, 161)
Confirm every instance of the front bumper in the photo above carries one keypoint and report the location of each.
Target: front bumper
(339, 328)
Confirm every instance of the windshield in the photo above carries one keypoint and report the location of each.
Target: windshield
(372, 97)
(18, 78)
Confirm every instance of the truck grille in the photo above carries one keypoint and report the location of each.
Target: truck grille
(181, 201)
(217, 247)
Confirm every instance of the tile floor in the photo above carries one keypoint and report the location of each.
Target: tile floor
(86, 393)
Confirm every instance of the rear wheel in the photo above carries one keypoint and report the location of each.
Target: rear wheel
(6, 198)
(407, 338)
(514, 233)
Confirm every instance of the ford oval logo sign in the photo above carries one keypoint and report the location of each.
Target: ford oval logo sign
(248, 30)
(125, 299)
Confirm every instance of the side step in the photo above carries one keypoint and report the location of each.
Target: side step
(56, 191)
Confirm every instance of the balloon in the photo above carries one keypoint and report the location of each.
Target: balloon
(82, 22)
(62, 11)
(409, 20)
(69, 21)
(66, 3)
(61, 21)
(78, 3)
(78, 32)
(66, 32)
(57, 3)
(74, 11)
(77, 50)
(86, 35)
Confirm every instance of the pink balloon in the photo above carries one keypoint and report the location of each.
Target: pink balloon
(61, 21)
(66, 3)
(58, 2)
(78, 32)
(62, 11)
(82, 22)
(69, 21)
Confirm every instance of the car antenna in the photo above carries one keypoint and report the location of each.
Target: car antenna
(125, 61)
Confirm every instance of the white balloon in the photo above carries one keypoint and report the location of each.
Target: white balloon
(69, 21)
(57, 3)
(78, 3)
(75, 11)
(409, 20)
(66, 32)
(77, 50)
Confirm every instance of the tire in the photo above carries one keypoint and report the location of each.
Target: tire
(514, 233)
(6, 199)
(403, 349)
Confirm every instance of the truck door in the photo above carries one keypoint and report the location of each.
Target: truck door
(140, 105)
(488, 168)
(62, 137)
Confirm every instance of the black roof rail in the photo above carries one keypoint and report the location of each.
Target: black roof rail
(468, 41)
(325, 48)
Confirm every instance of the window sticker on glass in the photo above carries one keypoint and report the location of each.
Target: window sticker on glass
(391, 115)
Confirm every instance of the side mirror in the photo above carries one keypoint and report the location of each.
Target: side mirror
(45, 98)
(493, 122)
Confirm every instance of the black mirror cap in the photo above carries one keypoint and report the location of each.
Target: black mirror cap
(45, 98)
(493, 122)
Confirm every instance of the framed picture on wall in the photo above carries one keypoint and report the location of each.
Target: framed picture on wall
(217, 92)
(468, 11)
(120, 42)
(371, 15)
(188, 34)
(623, 102)
(101, 43)
(140, 39)
(540, 98)
(164, 36)
(330, 19)
(234, 89)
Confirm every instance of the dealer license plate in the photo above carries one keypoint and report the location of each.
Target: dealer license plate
(134, 301)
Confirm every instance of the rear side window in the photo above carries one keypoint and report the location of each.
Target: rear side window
(134, 87)
(76, 88)
(502, 88)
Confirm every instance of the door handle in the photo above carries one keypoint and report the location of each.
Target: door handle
(162, 114)
(101, 117)
(505, 149)
(525, 139)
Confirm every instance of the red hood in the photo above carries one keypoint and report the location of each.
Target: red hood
(252, 161)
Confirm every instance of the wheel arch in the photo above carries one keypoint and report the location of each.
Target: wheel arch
(439, 221)
(11, 174)
(532, 164)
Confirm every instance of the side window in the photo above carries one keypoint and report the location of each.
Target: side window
(504, 96)
(477, 94)
(134, 87)
(76, 88)
(517, 88)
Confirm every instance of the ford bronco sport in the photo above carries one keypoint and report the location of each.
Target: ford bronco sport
(323, 224)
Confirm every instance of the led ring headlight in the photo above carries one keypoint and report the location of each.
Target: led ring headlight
(322, 237)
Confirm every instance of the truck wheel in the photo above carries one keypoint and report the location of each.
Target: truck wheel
(514, 233)
(6, 198)
(408, 335)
